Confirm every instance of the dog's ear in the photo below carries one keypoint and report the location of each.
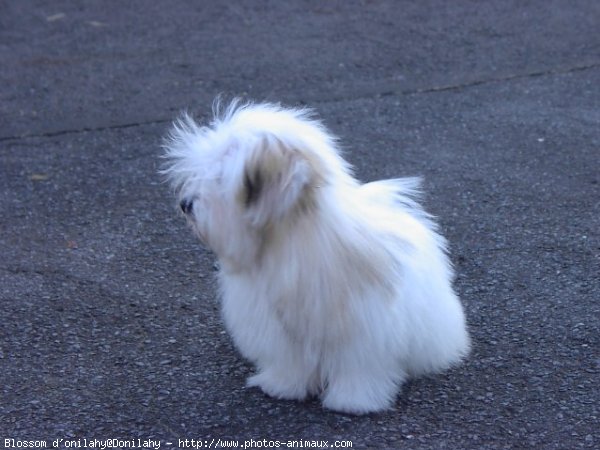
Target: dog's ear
(276, 181)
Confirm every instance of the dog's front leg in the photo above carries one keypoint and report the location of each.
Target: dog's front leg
(288, 374)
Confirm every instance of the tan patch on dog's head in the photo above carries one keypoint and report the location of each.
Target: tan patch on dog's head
(277, 182)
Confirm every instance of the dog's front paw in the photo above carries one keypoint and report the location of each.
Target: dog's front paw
(278, 385)
(358, 399)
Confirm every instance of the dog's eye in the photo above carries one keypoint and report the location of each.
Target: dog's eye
(186, 206)
(252, 186)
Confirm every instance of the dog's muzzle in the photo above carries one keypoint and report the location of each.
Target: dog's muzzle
(186, 206)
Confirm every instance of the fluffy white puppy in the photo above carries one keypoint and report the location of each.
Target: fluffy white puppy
(329, 286)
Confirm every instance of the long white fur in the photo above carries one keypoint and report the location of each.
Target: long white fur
(330, 287)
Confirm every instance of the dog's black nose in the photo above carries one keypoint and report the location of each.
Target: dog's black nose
(186, 206)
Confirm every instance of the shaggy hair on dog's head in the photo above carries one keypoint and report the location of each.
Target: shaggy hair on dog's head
(267, 163)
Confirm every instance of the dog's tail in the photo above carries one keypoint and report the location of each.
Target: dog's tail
(402, 192)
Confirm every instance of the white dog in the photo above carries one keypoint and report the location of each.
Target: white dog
(329, 286)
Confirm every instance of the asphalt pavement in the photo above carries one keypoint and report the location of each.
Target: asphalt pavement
(109, 316)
